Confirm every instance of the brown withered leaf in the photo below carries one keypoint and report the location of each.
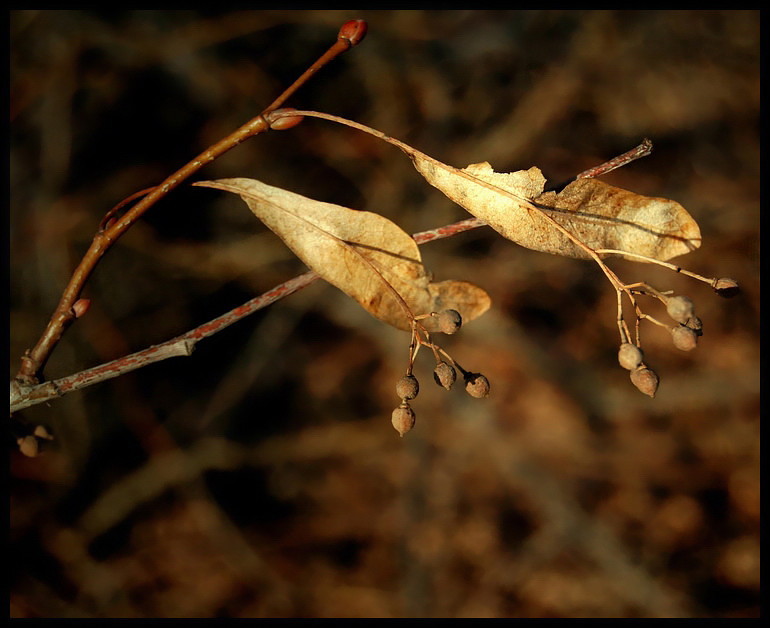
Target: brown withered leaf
(358, 252)
(599, 215)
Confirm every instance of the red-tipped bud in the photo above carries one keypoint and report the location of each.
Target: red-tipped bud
(283, 123)
(80, 307)
(726, 287)
(353, 32)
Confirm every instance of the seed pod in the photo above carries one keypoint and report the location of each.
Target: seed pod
(695, 324)
(42, 433)
(630, 356)
(726, 287)
(476, 385)
(645, 380)
(680, 308)
(684, 338)
(407, 387)
(28, 446)
(449, 321)
(403, 418)
(445, 375)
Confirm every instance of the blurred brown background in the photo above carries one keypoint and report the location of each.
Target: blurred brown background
(261, 476)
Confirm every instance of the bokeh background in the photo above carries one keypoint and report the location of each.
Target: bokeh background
(261, 477)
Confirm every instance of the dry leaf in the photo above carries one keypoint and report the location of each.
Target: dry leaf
(599, 215)
(358, 252)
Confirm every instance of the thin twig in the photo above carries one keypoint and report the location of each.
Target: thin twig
(24, 396)
(34, 360)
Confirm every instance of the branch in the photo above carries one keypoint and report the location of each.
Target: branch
(24, 396)
(111, 228)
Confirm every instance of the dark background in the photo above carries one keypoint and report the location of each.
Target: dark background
(261, 476)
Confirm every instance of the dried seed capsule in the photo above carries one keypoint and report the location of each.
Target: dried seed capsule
(695, 324)
(684, 338)
(42, 433)
(476, 385)
(630, 356)
(28, 445)
(645, 380)
(445, 375)
(403, 418)
(680, 308)
(449, 321)
(407, 387)
(726, 287)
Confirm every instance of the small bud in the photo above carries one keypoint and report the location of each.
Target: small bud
(353, 32)
(680, 308)
(28, 446)
(726, 287)
(630, 356)
(449, 321)
(407, 387)
(80, 307)
(684, 338)
(645, 380)
(476, 385)
(403, 418)
(695, 324)
(445, 375)
(283, 123)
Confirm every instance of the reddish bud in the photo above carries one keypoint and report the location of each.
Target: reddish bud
(80, 307)
(353, 32)
(283, 123)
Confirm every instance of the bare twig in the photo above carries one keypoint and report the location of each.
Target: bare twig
(111, 228)
(24, 396)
